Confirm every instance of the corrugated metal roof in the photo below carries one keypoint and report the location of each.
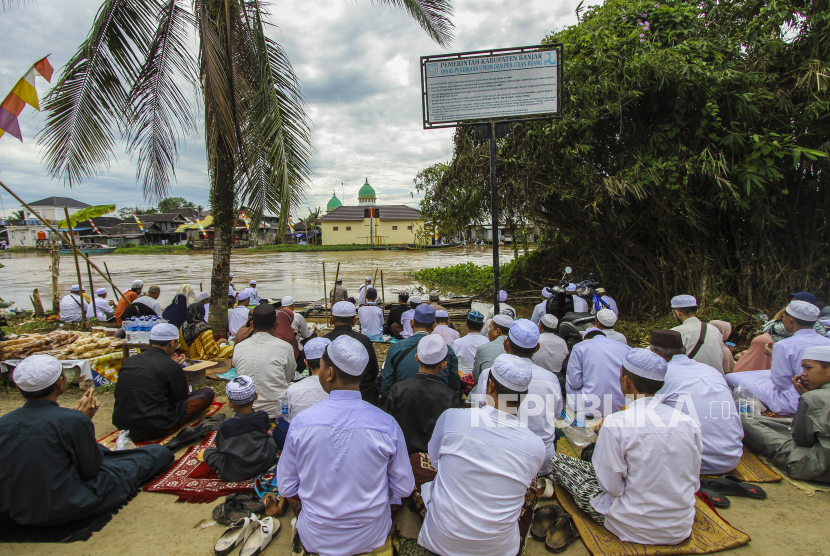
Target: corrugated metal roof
(385, 212)
(59, 202)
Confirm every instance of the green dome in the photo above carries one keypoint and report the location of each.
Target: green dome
(366, 192)
(333, 203)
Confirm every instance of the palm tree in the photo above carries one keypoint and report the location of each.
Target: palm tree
(128, 76)
(311, 224)
(18, 216)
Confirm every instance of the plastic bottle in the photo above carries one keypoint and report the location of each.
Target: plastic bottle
(285, 408)
(145, 331)
(131, 332)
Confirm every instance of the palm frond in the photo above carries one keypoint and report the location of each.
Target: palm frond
(431, 15)
(7, 4)
(90, 98)
(158, 104)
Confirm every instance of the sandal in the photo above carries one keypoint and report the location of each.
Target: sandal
(257, 543)
(247, 502)
(543, 520)
(233, 536)
(733, 486)
(229, 512)
(718, 500)
(562, 534)
(545, 488)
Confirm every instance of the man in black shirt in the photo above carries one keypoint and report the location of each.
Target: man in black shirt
(393, 320)
(417, 403)
(343, 319)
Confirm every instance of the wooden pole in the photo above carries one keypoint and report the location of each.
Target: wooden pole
(77, 266)
(92, 291)
(336, 276)
(375, 278)
(37, 303)
(382, 290)
(56, 263)
(325, 292)
(114, 289)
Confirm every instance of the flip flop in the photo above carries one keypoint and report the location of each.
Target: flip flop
(257, 543)
(247, 502)
(271, 503)
(718, 500)
(229, 512)
(543, 520)
(733, 486)
(562, 534)
(544, 488)
(232, 536)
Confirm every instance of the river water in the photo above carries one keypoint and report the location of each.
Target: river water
(297, 274)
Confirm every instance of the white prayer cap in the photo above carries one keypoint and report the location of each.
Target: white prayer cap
(37, 372)
(571, 287)
(230, 275)
(138, 284)
(803, 310)
(243, 295)
(682, 301)
(201, 296)
(503, 321)
(606, 317)
(432, 349)
(287, 301)
(315, 347)
(339, 279)
(415, 299)
(348, 355)
(164, 332)
(646, 364)
(368, 279)
(74, 288)
(442, 314)
(546, 293)
(101, 291)
(253, 282)
(550, 321)
(817, 353)
(343, 309)
(512, 372)
(524, 334)
(502, 296)
(591, 329)
(241, 390)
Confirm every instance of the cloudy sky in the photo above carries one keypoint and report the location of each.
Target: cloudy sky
(358, 64)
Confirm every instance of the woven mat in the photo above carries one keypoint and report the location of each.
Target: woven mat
(109, 440)
(752, 470)
(710, 533)
(808, 487)
(194, 481)
(564, 447)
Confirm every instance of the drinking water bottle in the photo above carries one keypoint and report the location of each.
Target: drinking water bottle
(285, 408)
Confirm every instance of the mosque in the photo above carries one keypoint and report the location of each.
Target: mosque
(368, 222)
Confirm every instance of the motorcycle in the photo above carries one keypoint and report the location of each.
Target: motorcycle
(561, 302)
(572, 325)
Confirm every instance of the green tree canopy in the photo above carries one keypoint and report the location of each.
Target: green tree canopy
(171, 203)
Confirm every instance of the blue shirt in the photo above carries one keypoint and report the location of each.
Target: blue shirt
(594, 375)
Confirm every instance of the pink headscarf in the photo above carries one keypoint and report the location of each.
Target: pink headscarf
(725, 329)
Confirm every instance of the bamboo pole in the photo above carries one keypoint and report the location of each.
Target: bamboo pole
(55, 269)
(336, 276)
(37, 304)
(63, 237)
(325, 292)
(382, 291)
(109, 276)
(92, 292)
(77, 266)
(375, 278)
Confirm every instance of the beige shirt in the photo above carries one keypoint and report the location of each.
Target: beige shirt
(710, 352)
(270, 362)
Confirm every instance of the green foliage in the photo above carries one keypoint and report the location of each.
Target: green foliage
(466, 278)
(133, 249)
(290, 248)
(171, 203)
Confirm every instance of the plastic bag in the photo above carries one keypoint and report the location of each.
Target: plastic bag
(576, 430)
(746, 402)
(123, 441)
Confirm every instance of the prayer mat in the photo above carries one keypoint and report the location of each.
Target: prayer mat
(297, 548)
(710, 533)
(564, 447)
(750, 469)
(194, 481)
(809, 487)
(410, 547)
(109, 440)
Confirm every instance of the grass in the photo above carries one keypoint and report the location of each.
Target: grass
(151, 249)
(462, 278)
(291, 248)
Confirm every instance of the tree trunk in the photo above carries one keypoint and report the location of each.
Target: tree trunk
(223, 220)
(56, 260)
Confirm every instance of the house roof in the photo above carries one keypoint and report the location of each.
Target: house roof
(100, 222)
(126, 228)
(385, 212)
(164, 217)
(59, 202)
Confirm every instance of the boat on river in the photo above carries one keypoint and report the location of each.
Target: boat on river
(90, 249)
(453, 245)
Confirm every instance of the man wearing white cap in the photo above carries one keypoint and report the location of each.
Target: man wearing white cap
(503, 306)
(775, 387)
(591, 385)
(72, 305)
(343, 319)
(307, 392)
(51, 469)
(605, 319)
(543, 404)
(238, 316)
(253, 294)
(361, 293)
(151, 395)
(344, 462)
(417, 403)
(580, 305)
(552, 349)
(371, 316)
(466, 346)
(703, 341)
(801, 446)
(647, 444)
(300, 326)
(406, 317)
(483, 461)
(101, 305)
(204, 299)
(127, 299)
(487, 353)
(442, 327)
(542, 308)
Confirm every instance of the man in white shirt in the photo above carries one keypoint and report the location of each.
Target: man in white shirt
(580, 305)
(612, 304)
(605, 320)
(442, 327)
(484, 461)
(101, 306)
(204, 299)
(542, 308)
(406, 318)
(645, 469)
(487, 353)
(503, 306)
(72, 305)
(254, 295)
(371, 317)
(552, 349)
(151, 299)
(238, 317)
(361, 293)
(266, 359)
(708, 351)
(593, 368)
(307, 392)
(465, 347)
(701, 392)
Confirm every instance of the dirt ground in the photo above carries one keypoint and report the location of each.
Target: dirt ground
(788, 521)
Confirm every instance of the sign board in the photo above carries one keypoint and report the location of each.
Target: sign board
(492, 85)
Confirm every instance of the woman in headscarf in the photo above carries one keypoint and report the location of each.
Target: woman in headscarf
(196, 337)
(285, 329)
(176, 312)
(725, 330)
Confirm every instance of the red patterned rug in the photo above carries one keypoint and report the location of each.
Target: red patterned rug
(194, 481)
(109, 440)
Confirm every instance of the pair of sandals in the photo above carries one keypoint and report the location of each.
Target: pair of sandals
(717, 489)
(553, 526)
(253, 534)
(237, 507)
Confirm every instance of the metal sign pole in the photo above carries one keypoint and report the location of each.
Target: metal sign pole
(494, 201)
